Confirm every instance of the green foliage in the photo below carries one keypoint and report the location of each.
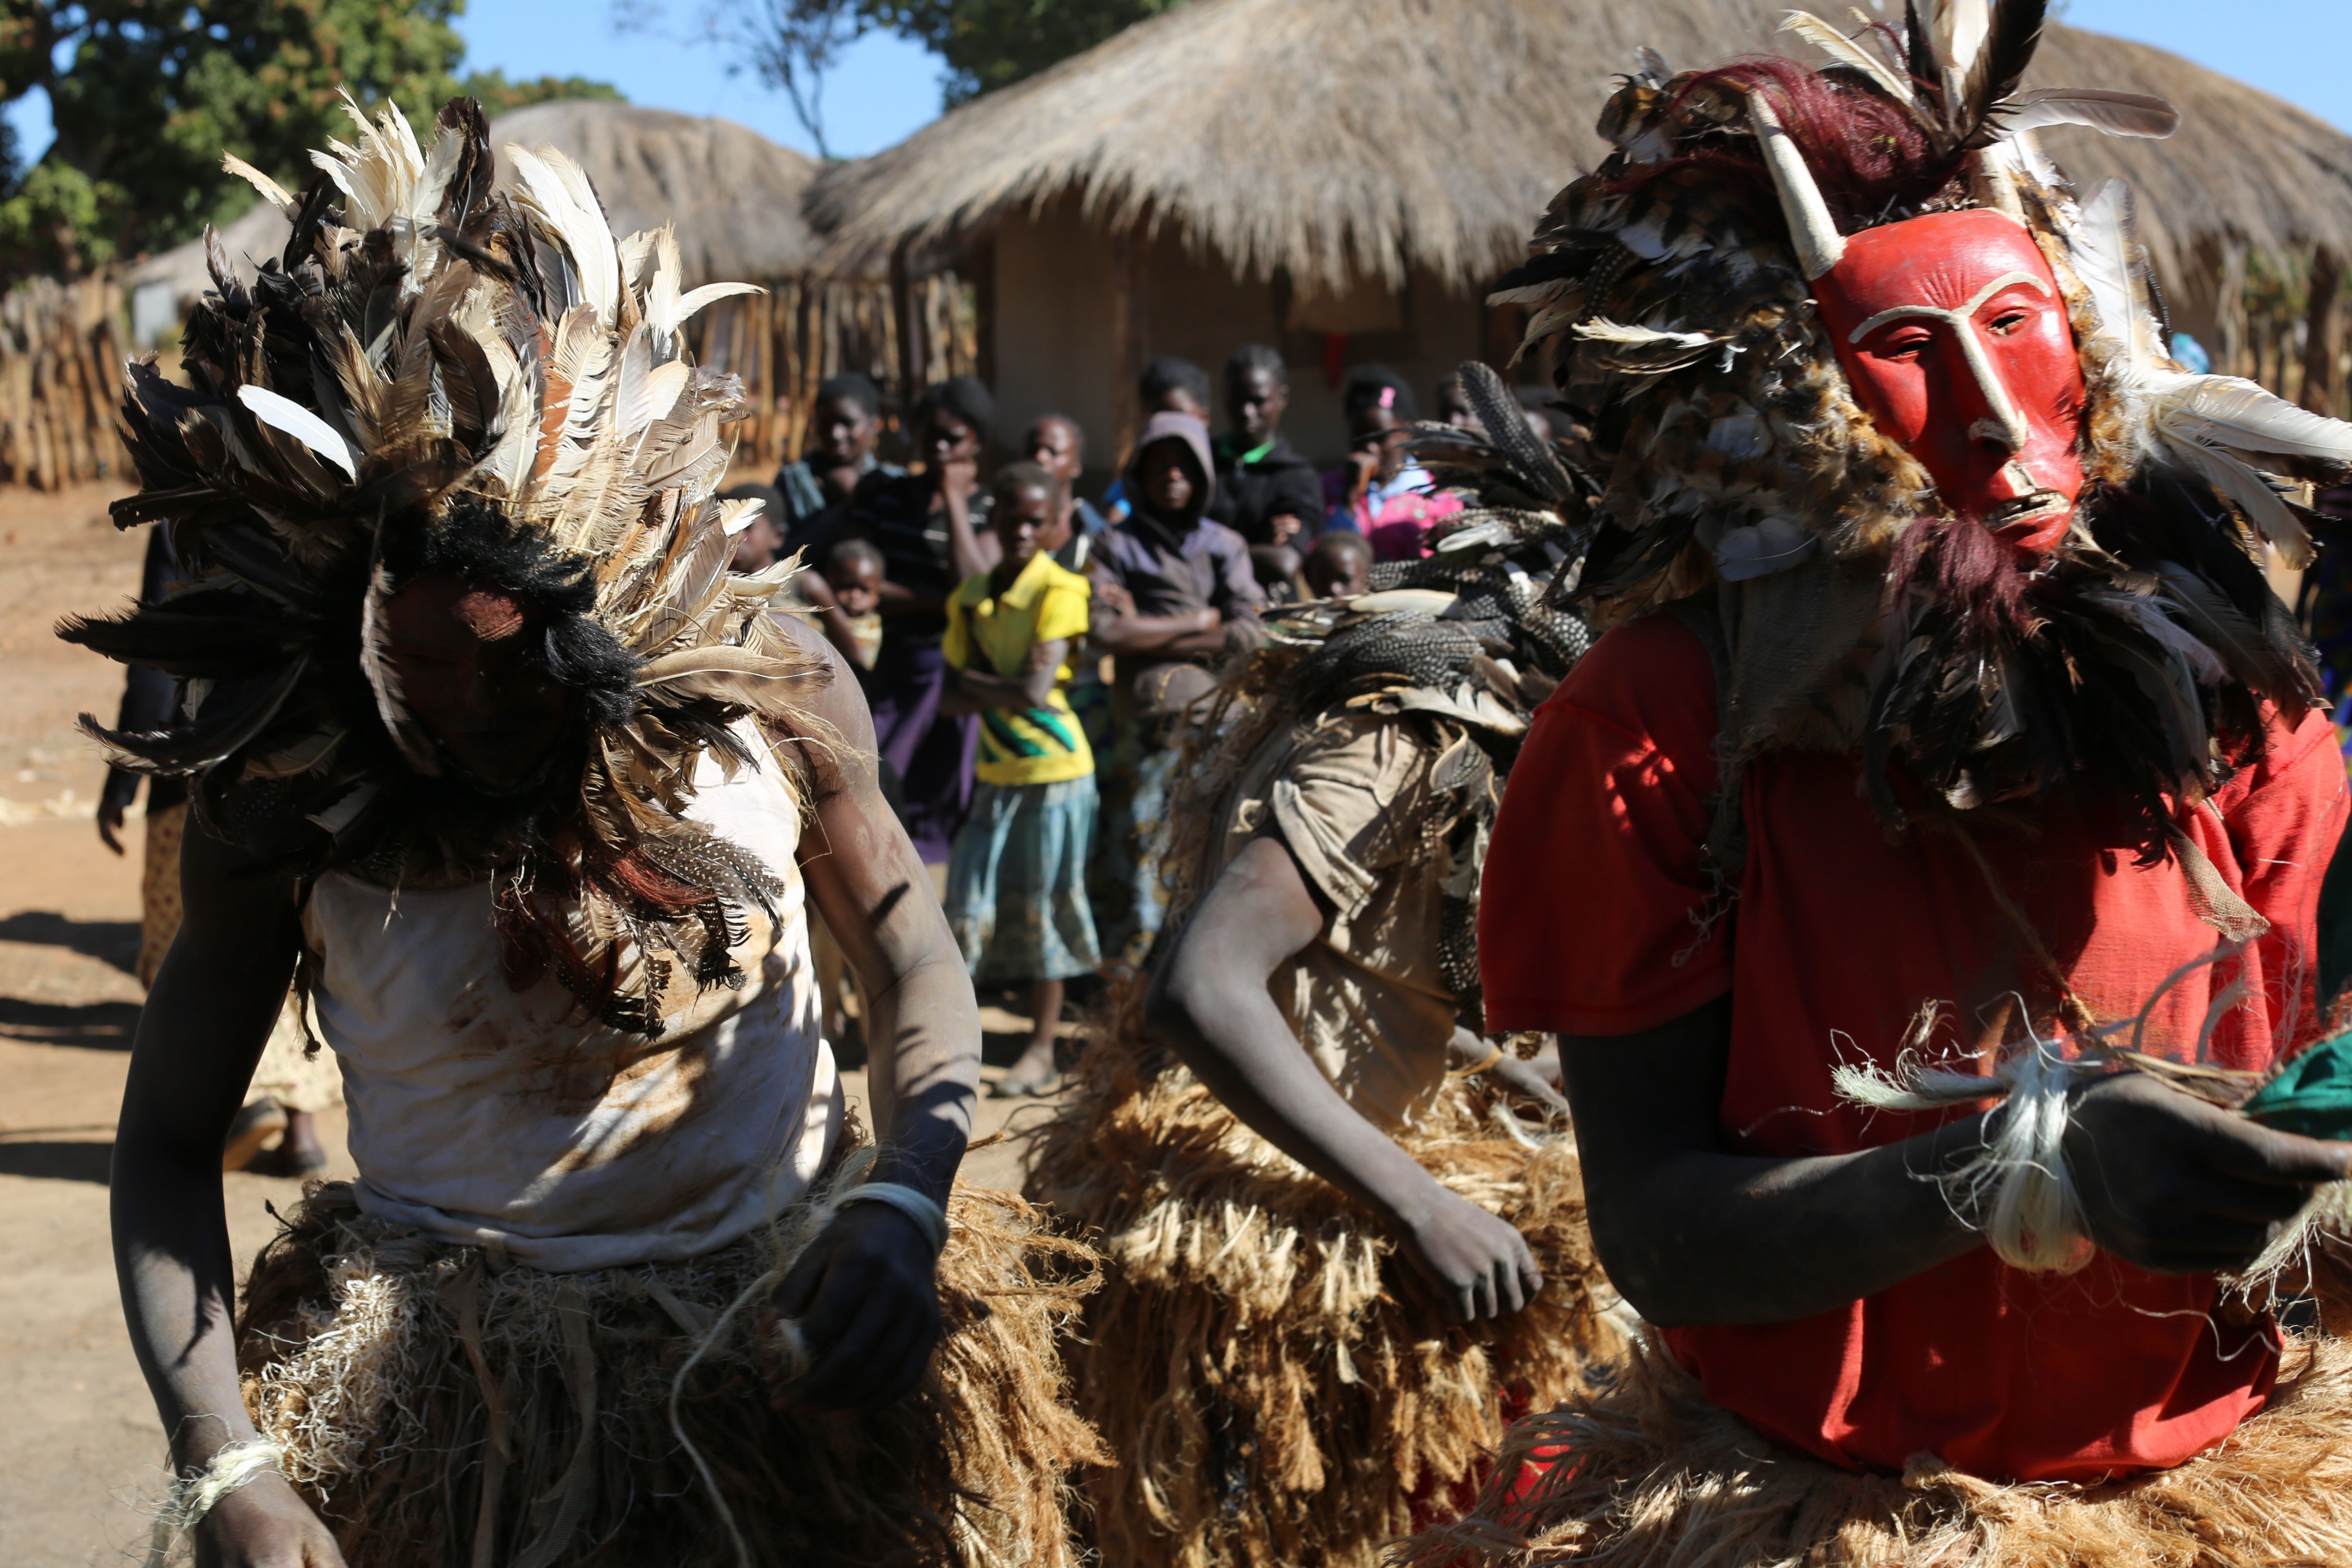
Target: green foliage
(150, 94)
(60, 219)
(498, 95)
(989, 44)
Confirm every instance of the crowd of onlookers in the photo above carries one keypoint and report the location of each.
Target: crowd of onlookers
(1025, 651)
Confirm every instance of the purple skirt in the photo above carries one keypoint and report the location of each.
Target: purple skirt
(931, 755)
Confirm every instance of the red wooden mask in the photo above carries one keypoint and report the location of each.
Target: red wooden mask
(1955, 338)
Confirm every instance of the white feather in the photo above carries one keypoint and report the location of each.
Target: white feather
(2249, 491)
(2225, 411)
(552, 186)
(1846, 51)
(1419, 600)
(2222, 426)
(275, 194)
(661, 293)
(283, 413)
(2114, 114)
(2101, 248)
(1604, 330)
(695, 301)
(1959, 28)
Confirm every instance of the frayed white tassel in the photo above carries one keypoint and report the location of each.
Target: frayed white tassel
(2329, 1213)
(2016, 1188)
(192, 1497)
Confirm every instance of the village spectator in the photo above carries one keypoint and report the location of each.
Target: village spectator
(1016, 896)
(1381, 493)
(1168, 385)
(1339, 567)
(1454, 405)
(839, 454)
(931, 530)
(762, 541)
(1266, 492)
(1057, 444)
(850, 615)
(1178, 593)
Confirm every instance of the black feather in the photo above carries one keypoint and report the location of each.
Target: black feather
(1999, 70)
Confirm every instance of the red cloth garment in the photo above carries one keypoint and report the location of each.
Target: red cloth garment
(1594, 921)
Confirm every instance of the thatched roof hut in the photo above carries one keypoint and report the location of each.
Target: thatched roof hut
(735, 196)
(1326, 138)
(1337, 149)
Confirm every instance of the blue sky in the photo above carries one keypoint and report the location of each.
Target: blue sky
(886, 88)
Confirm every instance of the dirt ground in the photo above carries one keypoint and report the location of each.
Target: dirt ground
(80, 1452)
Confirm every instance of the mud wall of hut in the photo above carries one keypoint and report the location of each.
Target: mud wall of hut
(1076, 313)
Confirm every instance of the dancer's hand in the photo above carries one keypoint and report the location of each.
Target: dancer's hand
(2174, 1185)
(264, 1524)
(1479, 1263)
(109, 825)
(1538, 1080)
(866, 1294)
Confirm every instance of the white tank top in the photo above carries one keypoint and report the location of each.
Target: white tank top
(478, 1115)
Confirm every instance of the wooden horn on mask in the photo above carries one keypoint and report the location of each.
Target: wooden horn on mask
(1819, 245)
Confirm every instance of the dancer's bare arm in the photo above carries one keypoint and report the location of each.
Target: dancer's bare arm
(199, 1036)
(1691, 1234)
(1210, 1002)
(865, 1291)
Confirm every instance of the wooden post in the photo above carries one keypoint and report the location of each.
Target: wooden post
(980, 268)
(902, 319)
(1130, 334)
(2322, 340)
(2232, 353)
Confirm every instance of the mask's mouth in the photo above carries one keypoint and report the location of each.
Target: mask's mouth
(2038, 520)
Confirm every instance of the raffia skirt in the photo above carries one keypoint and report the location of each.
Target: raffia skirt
(1279, 1386)
(1650, 1475)
(441, 1413)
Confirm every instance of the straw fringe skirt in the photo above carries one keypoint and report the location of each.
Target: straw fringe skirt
(1279, 1388)
(1654, 1475)
(442, 1414)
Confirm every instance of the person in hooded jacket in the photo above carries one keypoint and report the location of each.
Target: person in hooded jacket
(1175, 593)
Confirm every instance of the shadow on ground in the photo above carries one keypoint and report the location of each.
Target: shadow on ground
(93, 1026)
(56, 1162)
(109, 942)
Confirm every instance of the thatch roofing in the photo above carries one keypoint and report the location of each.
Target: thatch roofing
(1330, 136)
(735, 196)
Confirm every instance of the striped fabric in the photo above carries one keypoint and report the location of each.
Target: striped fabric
(995, 632)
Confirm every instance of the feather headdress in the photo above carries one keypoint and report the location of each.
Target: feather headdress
(1679, 277)
(439, 376)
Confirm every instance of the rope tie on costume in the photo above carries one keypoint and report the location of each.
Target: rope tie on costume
(192, 1497)
(785, 1339)
(2018, 1188)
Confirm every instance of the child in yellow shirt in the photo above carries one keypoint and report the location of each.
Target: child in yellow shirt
(1016, 893)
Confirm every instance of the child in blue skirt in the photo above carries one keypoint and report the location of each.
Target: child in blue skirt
(1017, 878)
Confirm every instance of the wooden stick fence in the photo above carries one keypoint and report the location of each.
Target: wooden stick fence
(61, 353)
(785, 342)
